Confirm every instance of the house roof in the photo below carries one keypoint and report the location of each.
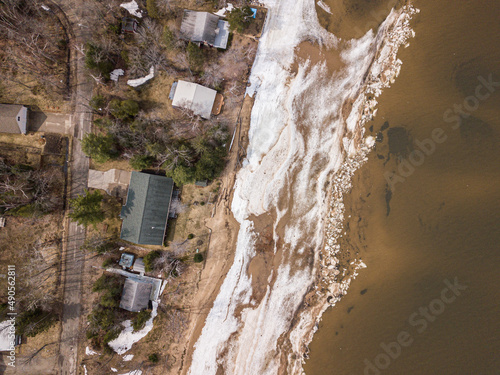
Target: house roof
(145, 213)
(199, 26)
(136, 295)
(13, 118)
(126, 260)
(222, 34)
(197, 98)
(139, 266)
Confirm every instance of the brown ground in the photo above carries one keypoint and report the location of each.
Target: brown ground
(224, 229)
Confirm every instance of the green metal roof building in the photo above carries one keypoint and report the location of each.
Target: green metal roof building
(146, 211)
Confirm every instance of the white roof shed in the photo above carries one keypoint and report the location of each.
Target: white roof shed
(197, 98)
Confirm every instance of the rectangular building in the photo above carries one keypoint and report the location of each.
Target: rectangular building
(145, 213)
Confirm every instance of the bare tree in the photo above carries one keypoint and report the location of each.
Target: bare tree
(178, 249)
(177, 207)
(212, 75)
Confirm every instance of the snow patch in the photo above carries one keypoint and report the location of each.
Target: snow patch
(89, 351)
(133, 372)
(113, 369)
(140, 81)
(132, 8)
(128, 357)
(128, 337)
(223, 11)
(115, 74)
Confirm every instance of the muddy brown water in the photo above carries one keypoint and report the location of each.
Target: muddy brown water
(439, 222)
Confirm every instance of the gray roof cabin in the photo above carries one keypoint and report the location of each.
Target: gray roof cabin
(13, 118)
(136, 295)
(192, 96)
(146, 211)
(204, 27)
(126, 260)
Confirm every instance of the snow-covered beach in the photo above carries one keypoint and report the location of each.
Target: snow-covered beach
(306, 126)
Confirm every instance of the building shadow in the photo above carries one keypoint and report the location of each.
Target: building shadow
(36, 118)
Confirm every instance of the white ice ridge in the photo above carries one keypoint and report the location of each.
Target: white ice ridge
(297, 139)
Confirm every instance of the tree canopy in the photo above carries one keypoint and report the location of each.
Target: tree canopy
(123, 109)
(101, 148)
(86, 209)
(238, 18)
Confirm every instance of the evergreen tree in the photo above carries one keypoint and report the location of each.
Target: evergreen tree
(238, 18)
(195, 56)
(86, 209)
(101, 148)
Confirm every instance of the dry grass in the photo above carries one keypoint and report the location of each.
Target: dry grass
(154, 97)
(29, 140)
(122, 164)
(16, 94)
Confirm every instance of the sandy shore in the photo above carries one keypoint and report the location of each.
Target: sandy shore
(220, 255)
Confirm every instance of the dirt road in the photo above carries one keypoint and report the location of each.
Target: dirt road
(73, 256)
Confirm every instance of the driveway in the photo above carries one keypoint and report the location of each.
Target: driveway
(50, 122)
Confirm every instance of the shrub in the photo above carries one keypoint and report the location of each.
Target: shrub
(190, 236)
(95, 60)
(153, 358)
(198, 258)
(150, 258)
(107, 262)
(123, 109)
(109, 299)
(211, 163)
(152, 8)
(29, 210)
(124, 56)
(238, 18)
(103, 123)
(97, 103)
(108, 282)
(195, 56)
(101, 148)
(111, 335)
(168, 37)
(182, 175)
(101, 317)
(140, 319)
(115, 28)
(32, 322)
